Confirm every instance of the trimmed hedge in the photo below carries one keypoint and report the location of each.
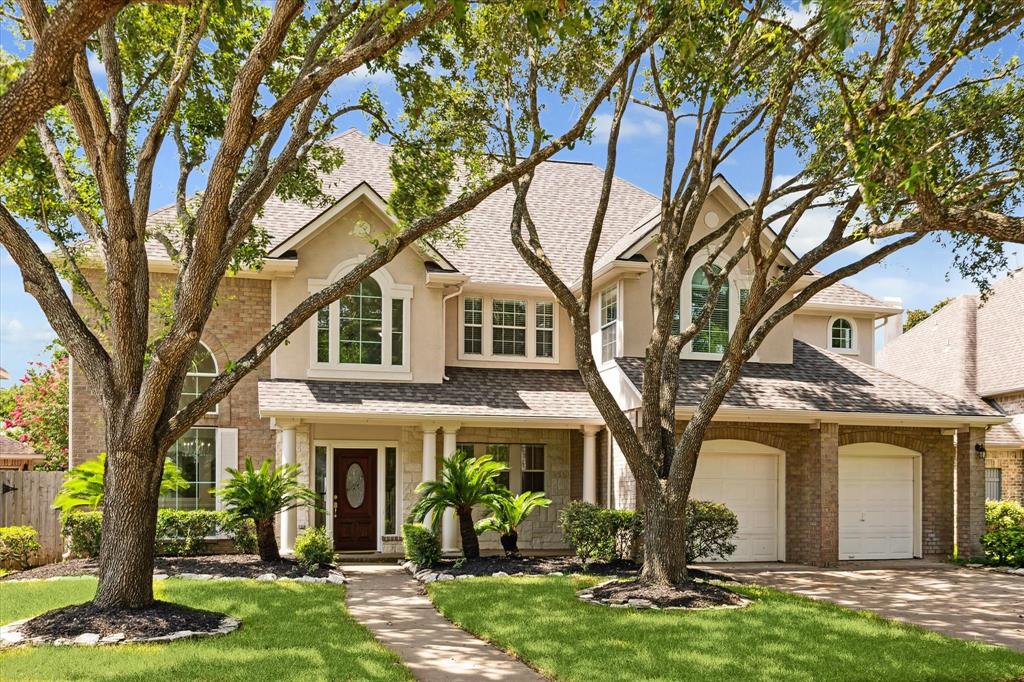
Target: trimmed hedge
(599, 534)
(178, 532)
(422, 546)
(17, 545)
(1004, 533)
(313, 548)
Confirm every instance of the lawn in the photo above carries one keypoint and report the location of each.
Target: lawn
(779, 637)
(290, 631)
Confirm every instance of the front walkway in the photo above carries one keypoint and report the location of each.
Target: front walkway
(390, 603)
(959, 602)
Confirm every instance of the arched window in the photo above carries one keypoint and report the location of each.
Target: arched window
(360, 325)
(840, 335)
(713, 337)
(199, 377)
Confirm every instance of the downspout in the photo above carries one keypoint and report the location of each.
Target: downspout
(444, 326)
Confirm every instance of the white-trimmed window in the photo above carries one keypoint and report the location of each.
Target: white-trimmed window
(713, 336)
(195, 455)
(533, 468)
(363, 333)
(609, 305)
(473, 326)
(842, 335)
(993, 484)
(199, 377)
(508, 328)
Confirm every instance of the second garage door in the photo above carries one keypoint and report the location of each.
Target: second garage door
(876, 507)
(748, 484)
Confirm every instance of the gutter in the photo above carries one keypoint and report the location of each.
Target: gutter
(444, 326)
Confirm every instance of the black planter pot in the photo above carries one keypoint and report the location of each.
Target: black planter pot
(510, 543)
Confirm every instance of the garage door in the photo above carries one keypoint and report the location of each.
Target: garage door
(748, 484)
(876, 507)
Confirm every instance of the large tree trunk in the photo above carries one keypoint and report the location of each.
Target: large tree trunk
(664, 540)
(131, 489)
(266, 540)
(470, 542)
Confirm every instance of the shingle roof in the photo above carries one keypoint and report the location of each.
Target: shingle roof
(845, 295)
(817, 380)
(1004, 435)
(1000, 334)
(469, 392)
(15, 449)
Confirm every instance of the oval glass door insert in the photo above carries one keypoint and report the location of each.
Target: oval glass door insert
(355, 485)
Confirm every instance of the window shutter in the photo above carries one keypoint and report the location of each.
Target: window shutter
(227, 456)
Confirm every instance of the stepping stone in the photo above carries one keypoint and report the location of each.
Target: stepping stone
(266, 578)
(87, 638)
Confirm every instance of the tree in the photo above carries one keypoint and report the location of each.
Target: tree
(242, 90)
(466, 482)
(915, 316)
(36, 410)
(902, 123)
(261, 494)
(84, 487)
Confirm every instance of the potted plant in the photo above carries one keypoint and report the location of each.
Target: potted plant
(507, 514)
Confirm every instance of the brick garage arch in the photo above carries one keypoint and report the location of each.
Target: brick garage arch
(733, 431)
(911, 441)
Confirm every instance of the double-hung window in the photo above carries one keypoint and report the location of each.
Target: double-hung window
(545, 329)
(195, 455)
(840, 334)
(713, 335)
(533, 468)
(609, 323)
(473, 326)
(199, 377)
(993, 484)
(508, 327)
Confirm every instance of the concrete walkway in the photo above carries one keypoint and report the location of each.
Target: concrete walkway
(959, 602)
(391, 604)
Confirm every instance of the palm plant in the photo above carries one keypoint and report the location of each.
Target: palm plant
(83, 484)
(260, 494)
(507, 514)
(465, 483)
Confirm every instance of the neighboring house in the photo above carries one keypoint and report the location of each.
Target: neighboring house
(975, 350)
(822, 456)
(17, 455)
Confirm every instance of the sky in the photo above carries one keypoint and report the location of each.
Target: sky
(919, 275)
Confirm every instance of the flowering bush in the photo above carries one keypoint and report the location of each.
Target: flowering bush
(38, 414)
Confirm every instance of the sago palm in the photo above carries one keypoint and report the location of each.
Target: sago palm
(83, 485)
(465, 483)
(259, 494)
(507, 514)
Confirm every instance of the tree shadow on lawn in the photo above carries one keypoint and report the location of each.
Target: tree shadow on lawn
(778, 637)
(289, 631)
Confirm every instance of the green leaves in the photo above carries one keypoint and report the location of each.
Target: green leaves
(83, 484)
(259, 494)
(465, 482)
(509, 511)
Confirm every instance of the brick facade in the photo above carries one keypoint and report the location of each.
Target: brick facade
(1011, 467)
(240, 318)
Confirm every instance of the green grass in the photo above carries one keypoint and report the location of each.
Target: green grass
(779, 637)
(289, 631)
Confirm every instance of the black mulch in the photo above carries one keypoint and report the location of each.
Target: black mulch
(548, 564)
(160, 619)
(236, 565)
(691, 595)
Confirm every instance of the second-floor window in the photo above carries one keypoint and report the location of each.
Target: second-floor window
(361, 321)
(508, 328)
(713, 335)
(609, 323)
(840, 334)
(199, 377)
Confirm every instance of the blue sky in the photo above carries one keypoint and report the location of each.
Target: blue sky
(919, 275)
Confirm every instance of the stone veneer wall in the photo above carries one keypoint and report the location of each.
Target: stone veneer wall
(237, 322)
(1011, 464)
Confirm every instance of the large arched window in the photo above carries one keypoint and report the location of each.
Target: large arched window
(365, 330)
(841, 334)
(199, 377)
(713, 336)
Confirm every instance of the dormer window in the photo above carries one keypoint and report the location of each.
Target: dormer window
(364, 331)
(841, 335)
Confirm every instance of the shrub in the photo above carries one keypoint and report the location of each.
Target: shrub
(507, 513)
(81, 532)
(1004, 533)
(422, 546)
(313, 548)
(242, 531)
(710, 527)
(184, 533)
(17, 545)
(83, 484)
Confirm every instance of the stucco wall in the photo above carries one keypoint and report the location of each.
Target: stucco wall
(814, 329)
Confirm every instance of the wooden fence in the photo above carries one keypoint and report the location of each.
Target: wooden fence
(26, 501)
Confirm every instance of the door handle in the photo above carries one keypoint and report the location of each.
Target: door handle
(335, 505)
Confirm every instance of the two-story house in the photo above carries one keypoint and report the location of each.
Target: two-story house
(974, 349)
(822, 456)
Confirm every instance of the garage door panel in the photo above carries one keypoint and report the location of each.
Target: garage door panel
(876, 507)
(748, 485)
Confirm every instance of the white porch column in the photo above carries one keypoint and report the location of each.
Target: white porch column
(429, 458)
(449, 526)
(590, 463)
(288, 518)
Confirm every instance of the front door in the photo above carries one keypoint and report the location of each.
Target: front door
(355, 499)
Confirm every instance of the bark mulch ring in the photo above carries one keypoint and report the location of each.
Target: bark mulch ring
(693, 594)
(539, 565)
(86, 624)
(219, 565)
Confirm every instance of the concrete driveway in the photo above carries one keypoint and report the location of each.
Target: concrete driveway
(959, 602)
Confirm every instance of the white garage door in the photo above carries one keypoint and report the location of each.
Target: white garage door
(876, 507)
(748, 484)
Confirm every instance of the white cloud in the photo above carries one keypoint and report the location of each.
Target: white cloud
(96, 66)
(798, 16)
(636, 123)
(13, 331)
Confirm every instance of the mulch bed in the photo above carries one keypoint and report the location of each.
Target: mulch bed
(233, 565)
(532, 566)
(689, 595)
(161, 619)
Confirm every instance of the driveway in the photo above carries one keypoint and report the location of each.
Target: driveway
(959, 602)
